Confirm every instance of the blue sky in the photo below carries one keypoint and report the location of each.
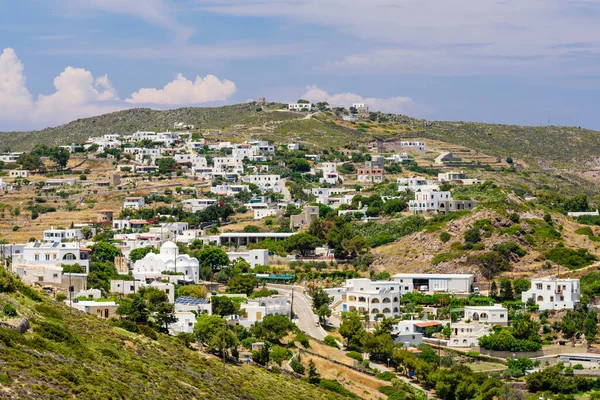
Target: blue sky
(524, 62)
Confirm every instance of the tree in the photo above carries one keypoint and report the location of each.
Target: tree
(213, 257)
(222, 306)
(323, 312)
(242, 284)
(29, 161)
(313, 375)
(207, 325)
(164, 317)
(351, 329)
(138, 311)
(60, 157)
(506, 290)
(494, 290)
(195, 291)
(261, 356)
(317, 229)
(166, 164)
(104, 252)
(304, 243)
(521, 285)
(393, 206)
(272, 327)
(139, 253)
(279, 354)
(223, 340)
(320, 298)
(251, 229)
(153, 296)
(298, 165)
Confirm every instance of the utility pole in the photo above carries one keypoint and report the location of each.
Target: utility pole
(292, 305)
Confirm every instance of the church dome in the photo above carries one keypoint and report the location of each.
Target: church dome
(169, 245)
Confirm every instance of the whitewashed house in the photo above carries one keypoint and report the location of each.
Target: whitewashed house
(252, 257)
(554, 293)
(466, 334)
(265, 182)
(134, 203)
(494, 315)
(375, 298)
(169, 259)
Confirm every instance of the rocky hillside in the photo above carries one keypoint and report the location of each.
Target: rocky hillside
(68, 354)
(508, 242)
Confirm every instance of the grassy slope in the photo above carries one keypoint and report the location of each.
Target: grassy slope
(88, 358)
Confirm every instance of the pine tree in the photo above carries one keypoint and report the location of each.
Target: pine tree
(313, 375)
(494, 290)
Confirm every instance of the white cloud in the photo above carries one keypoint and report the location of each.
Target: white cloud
(15, 99)
(395, 105)
(78, 94)
(184, 91)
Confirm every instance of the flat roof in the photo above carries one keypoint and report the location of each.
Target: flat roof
(440, 276)
(425, 324)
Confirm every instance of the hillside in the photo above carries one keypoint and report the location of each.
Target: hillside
(545, 147)
(68, 354)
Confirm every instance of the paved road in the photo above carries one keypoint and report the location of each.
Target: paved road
(303, 309)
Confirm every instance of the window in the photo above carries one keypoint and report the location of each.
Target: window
(40, 278)
(55, 275)
(37, 257)
(538, 286)
(47, 256)
(501, 315)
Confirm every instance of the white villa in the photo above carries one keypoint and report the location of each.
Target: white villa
(447, 283)
(265, 182)
(252, 257)
(553, 293)
(367, 296)
(494, 315)
(467, 334)
(169, 259)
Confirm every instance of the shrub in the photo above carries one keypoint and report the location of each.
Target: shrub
(148, 332)
(514, 217)
(302, 339)
(336, 387)
(330, 341)
(297, 367)
(473, 235)
(386, 376)
(355, 356)
(571, 258)
(445, 237)
(61, 297)
(9, 310)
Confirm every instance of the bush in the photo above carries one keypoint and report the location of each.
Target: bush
(571, 258)
(336, 387)
(61, 297)
(297, 367)
(386, 376)
(445, 237)
(355, 356)
(9, 310)
(148, 332)
(330, 341)
(473, 236)
(514, 217)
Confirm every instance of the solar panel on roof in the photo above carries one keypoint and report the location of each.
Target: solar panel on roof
(55, 244)
(37, 245)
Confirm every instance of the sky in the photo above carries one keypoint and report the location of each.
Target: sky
(527, 62)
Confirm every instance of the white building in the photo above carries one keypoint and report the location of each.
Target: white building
(58, 235)
(18, 173)
(185, 323)
(414, 145)
(453, 176)
(89, 294)
(554, 293)
(166, 287)
(416, 184)
(257, 309)
(134, 203)
(265, 182)
(260, 213)
(194, 205)
(494, 315)
(199, 306)
(300, 107)
(447, 283)
(467, 334)
(252, 257)
(428, 200)
(169, 259)
(361, 107)
(125, 288)
(366, 296)
(262, 147)
(51, 255)
(293, 146)
(229, 190)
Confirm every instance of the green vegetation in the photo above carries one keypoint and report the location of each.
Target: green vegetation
(571, 258)
(379, 234)
(79, 356)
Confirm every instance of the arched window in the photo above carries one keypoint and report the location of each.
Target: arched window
(386, 300)
(395, 299)
(386, 311)
(351, 298)
(375, 300)
(375, 311)
(540, 298)
(69, 256)
(395, 309)
(362, 299)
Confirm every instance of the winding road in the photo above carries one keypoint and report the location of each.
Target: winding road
(303, 309)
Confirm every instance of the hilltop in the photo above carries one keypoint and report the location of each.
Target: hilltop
(69, 354)
(543, 147)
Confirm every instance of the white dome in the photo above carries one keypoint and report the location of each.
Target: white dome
(168, 245)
